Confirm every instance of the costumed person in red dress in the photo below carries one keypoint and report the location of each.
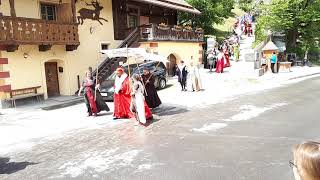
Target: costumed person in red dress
(220, 61)
(138, 104)
(245, 27)
(226, 54)
(249, 30)
(92, 96)
(122, 97)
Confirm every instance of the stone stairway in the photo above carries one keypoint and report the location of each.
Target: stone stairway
(245, 66)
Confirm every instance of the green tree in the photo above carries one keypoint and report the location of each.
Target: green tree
(246, 5)
(212, 12)
(299, 20)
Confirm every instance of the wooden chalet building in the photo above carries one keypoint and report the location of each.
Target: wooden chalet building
(46, 46)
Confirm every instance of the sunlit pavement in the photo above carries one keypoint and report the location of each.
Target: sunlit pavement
(249, 137)
(238, 127)
(33, 126)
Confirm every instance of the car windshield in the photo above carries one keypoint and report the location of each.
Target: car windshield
(139, 70)
(112, 77)
(133, 68)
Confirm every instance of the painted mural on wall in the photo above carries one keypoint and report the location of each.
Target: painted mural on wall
(93, 14)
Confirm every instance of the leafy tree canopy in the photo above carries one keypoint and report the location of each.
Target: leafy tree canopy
(299, 20)
(246, 5)
(212, 12)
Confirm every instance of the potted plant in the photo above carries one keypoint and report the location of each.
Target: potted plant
(177, 28)
(199, 30)
(163, 26)
(188, 28)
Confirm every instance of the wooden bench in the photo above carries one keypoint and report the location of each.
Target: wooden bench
(23, 93)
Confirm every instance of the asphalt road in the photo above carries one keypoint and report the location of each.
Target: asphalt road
(247, 138)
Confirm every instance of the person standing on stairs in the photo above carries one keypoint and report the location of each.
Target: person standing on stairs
(236, 50)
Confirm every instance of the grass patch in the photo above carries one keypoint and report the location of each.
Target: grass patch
(224, 29)
(315, 62)
(221, 35)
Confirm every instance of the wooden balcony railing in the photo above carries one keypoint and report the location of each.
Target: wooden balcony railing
(27, 31)
(153, 32)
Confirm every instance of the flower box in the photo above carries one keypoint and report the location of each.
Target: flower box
(188, 28)
(199, 30)
(163, 26)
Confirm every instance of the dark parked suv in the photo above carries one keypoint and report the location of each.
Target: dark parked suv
(158, 69)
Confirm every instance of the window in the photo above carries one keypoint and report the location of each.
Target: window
(104, 46)
(133, 16)
(48, 12)
(132, 21)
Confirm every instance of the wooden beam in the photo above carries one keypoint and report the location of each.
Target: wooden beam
(12, 48)
(5, 88)
(4, 74)
(12, 8)
(3, 60)
(73, 6)
(71, 47)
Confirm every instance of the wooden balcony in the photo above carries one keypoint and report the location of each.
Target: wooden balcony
(15, 31)
(153, 32)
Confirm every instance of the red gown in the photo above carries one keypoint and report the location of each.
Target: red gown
(122, 102)
(220, 64)
(226, 54)
(89, 93)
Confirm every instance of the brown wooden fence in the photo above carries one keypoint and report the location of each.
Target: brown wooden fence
(36, 32)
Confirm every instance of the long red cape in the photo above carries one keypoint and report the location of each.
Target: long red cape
(122, 103)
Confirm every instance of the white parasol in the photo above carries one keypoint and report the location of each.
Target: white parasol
(134, 55)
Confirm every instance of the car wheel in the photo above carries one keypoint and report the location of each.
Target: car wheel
(162, 83)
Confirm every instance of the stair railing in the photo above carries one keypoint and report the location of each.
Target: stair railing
(130, 40)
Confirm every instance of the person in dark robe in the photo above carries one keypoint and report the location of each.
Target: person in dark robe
(182, 73)
(99, 99)
(151, 95)
(92, 96)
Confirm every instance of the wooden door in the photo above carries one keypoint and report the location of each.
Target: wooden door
(144, 20)
(51, 69)
(172, 63)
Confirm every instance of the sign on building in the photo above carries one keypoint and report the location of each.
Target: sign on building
(211, 43)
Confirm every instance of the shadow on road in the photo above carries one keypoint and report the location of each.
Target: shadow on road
(7, 167)
(105, 113)
(168, 86)
(167, 110)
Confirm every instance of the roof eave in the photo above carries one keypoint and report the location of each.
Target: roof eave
(172, 6)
